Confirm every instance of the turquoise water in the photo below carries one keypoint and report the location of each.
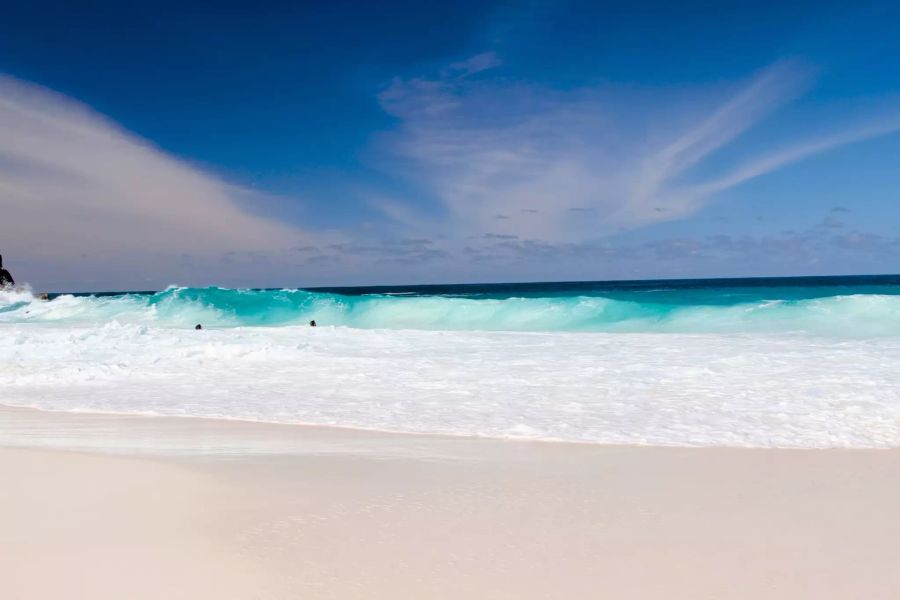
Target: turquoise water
(834, 305)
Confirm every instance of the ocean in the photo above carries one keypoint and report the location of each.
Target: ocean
(781, 362)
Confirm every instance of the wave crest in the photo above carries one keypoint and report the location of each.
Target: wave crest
(853, 315)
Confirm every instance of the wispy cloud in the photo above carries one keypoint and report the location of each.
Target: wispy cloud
(476, 64)
(652, 184)
(73, 183)
(786, 156)
(581, 163)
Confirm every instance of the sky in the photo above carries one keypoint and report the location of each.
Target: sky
(285, 144)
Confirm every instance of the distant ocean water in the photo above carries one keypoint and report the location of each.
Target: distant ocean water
(793, 362)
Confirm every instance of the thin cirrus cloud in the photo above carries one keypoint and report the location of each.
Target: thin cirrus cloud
(72, 183)
(579, 164)
(783, 157)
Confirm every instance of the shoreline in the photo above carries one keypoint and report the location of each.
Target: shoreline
(22, 414)
(243, 510)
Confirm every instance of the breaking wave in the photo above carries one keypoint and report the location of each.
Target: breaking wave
(849, 314)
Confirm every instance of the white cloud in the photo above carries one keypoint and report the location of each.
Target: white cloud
(784, 156)
(73, 183)
(653, 182)
(588, 160)
(477, 63)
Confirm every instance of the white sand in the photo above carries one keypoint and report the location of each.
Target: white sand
(312, 513)
(81, 526)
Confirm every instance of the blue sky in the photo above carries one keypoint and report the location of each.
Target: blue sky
(270, 144)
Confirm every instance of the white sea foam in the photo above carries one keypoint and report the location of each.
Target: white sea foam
(678, 389)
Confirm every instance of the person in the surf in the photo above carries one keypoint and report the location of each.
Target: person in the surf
(6, 280)
(312, 323)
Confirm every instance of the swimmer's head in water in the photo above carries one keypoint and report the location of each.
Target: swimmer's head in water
(312, 323)
(199, 326)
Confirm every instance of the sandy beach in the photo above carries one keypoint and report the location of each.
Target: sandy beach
(96, 506)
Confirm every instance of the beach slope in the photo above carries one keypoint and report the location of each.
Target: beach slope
(452, 519)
